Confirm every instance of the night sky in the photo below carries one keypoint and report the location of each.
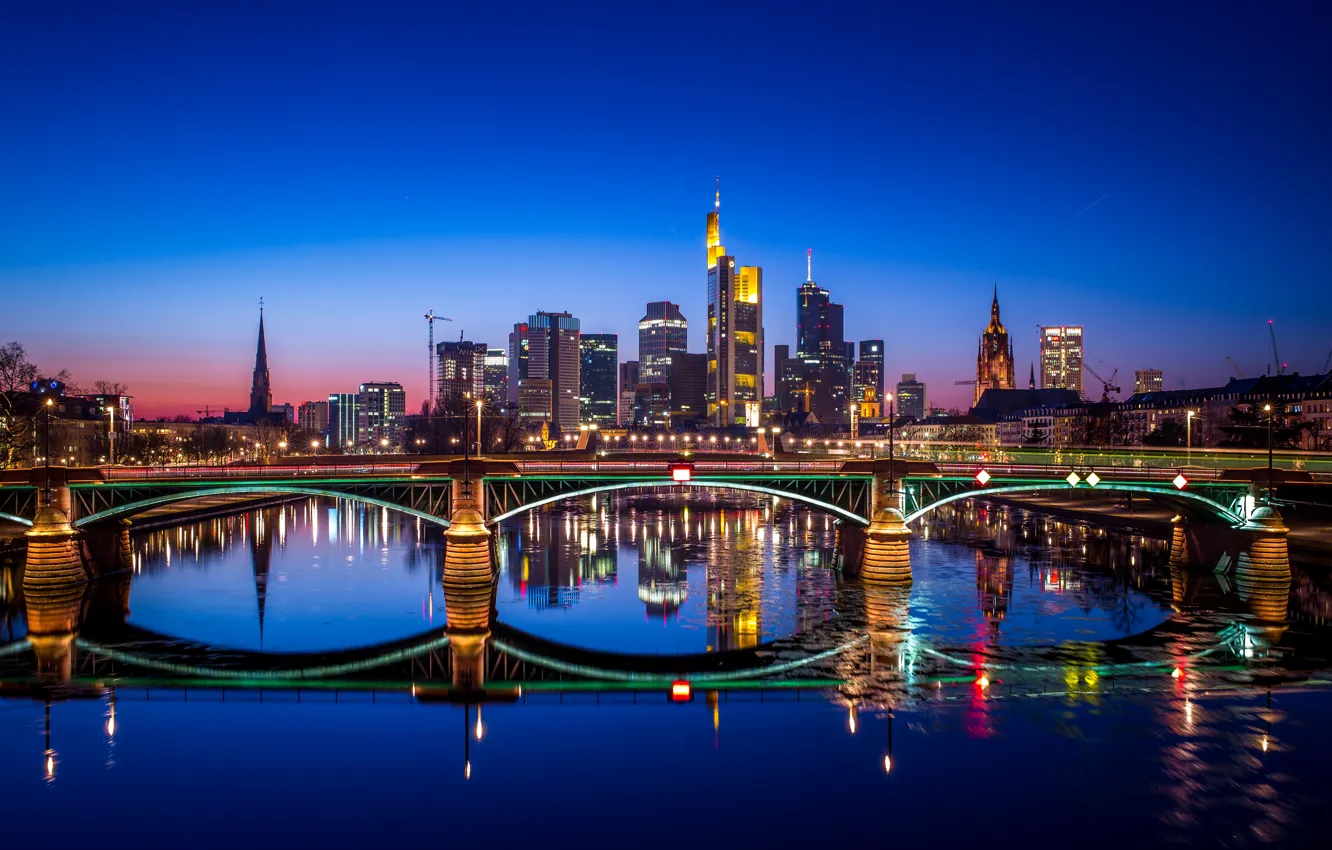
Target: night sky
(1162, 177)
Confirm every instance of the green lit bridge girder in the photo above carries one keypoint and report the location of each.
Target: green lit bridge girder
(429, 500)
(921, 495)
(848, 496)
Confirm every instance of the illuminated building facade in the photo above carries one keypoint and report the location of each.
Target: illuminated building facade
(911, 397)
(313, 417)
(821, 349)
(1061, 357)
(735, 334)
(1148, 381)
(662, 331)
(544, 366)
(462, 371)
(597, 378)
(994, 356)
(868, 370)
(497, 377)
(381, 412)
(342, 421)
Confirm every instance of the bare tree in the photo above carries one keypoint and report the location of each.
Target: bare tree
(16, 411)
(109, 388)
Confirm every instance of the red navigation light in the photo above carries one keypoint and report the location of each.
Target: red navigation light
(682, 471)
(680, 691)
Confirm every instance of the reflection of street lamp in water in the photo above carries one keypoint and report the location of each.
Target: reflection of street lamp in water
(888, 751)
(49, 755)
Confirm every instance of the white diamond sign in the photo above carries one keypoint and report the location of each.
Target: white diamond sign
(1180, 481)
(1093, 479)
(983, 477)
(1072, 479)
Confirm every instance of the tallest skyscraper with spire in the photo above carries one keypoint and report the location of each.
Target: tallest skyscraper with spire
(735, 333)
(261, 394)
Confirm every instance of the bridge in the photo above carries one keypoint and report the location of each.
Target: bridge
(80, 527)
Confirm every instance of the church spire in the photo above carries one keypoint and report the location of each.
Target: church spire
(261, 395)
(1031, 379)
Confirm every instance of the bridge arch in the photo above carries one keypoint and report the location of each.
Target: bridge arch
(1209, 505)
(660, 483)
(131, 508)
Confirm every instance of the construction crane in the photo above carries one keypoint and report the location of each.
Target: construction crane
(1235, 366)
(207, 412)
(1276, 358)
(1107, 387)
(430, 318)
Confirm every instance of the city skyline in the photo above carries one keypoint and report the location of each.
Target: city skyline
(1172, 217)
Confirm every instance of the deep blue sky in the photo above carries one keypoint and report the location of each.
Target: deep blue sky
(1160, 176)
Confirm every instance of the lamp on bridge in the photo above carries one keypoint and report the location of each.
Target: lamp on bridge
(1267, 408)
(892, 482)
(46, 452)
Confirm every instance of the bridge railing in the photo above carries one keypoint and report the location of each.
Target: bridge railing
(662, 467)
(135, 473)
(1117, 473)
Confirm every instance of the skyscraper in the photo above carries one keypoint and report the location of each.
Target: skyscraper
(597, 378)
(822, 349)
(628, 383)
(343, 419)
(520, 344)
(871, 354)
(688, 387)
(1061, 357)
(381, 408)
(313, 417)
(462, 372)
(497, 377)
(781, 390)
(662, 331)
(1148, 381)
(553, 355)
(994, 355)
(911, 397)
(735, 333)
(261, 395)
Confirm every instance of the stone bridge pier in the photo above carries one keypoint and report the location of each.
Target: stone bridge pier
(886, 557)
(54, 561)
(1259, 556)
(1262, 572)
(469, 586)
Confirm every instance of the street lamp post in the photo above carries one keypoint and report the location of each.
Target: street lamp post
(478, 427)
(1188, 437)
(111, 437)
(46, 452)
(1268, 409)
(892, 482)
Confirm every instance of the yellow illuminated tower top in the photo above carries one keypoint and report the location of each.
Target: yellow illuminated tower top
(715, 247)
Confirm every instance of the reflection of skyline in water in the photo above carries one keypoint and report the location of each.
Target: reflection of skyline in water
(705, 572)
(284, 576)
(1036, 579)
